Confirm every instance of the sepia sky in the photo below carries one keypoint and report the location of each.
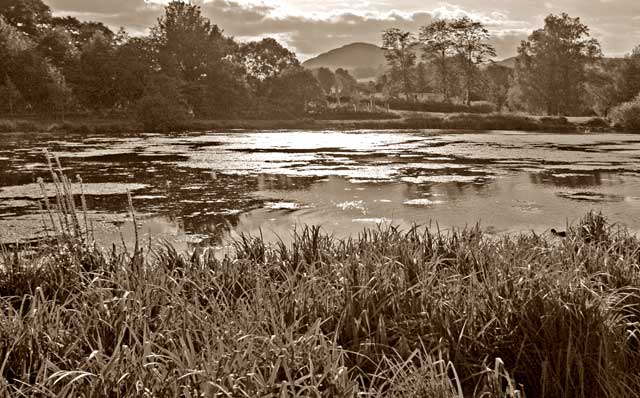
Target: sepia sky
(310, 27)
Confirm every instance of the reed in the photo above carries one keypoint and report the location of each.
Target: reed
(385, 313)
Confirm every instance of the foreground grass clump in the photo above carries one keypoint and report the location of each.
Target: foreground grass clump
(386, 313)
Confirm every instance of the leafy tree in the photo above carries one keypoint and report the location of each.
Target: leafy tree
(611, 82)
(422, 83)
(41, 84)
(222, 93)
(346, 85)
(81, 32)
(265, 59)
(437, 40)
(29, 16)
(497, 83)
(96, 77)
(326, 79)
(630, 75)
(291, 92)
(627, 114)
(605, 87)
(552, 64)
(12, 42)
(162, 108)
(9, 97)
(59, 95)
(56, 44)
(399, 50)
(134, 63)
(470, 43)
(186, 42)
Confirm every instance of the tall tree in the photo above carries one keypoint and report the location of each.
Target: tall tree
(265, 59)
(186, 42)
(96, 77)
(290, 92)
(12, 42)
(134, 64)
(631, 75)
(57, 45)
(81, 32)
(29, 16)
(422, 83)
(399, 50)
(470, 41)
(551, 65)
(437, 40)
(497, 83)
(327, 79)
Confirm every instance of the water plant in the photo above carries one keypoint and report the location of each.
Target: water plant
(416, 313)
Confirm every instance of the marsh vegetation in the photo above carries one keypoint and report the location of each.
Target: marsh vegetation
(388, 312)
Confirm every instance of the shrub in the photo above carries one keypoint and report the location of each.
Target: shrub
(627, 115)
(162, 107)
(158, 113)
(554, 120)
(596, 123)
(7, 126)
(345, 114)
(438, 107)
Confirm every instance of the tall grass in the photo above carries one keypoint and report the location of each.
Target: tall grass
(417, 313)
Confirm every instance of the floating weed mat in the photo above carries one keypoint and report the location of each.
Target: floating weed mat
(387, 313)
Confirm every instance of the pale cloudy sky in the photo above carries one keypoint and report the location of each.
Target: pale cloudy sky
(313, 26)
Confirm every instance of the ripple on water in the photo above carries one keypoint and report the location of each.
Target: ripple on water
(351, 205)
(588, 196)
(380, 220)
(422, 202)
(33, 191)
(443, 179)
(283, 206)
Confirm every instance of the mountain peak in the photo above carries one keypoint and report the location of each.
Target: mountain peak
(350, 56)
(363, 60)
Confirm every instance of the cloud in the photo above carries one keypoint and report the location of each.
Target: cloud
(312, 35)
(310, 27)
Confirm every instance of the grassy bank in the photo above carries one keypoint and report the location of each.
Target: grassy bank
(484, 122)
(386, 313)
(334, 120)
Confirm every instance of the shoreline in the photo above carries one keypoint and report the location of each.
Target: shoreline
(405, 301)
(417, 121)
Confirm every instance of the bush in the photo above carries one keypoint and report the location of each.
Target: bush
(438, 107)
(627, 115)
(596, 123)
(158, 113)
(554, 120)
(7, 126)
(21, 126)
(162, 108)
(345, 114)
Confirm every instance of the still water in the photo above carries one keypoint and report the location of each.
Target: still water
(206, 189)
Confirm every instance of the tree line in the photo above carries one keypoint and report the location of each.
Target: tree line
(559, 69)
(186, 66)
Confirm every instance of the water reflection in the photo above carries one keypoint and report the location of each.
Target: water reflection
(570, 180)
(201, 189)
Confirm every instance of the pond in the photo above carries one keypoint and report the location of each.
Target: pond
(206, 189)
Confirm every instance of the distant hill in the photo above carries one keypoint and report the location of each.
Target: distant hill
(363, 60)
